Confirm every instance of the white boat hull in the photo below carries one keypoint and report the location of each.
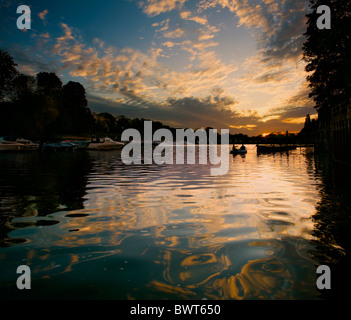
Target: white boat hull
(10, 147)
(105, 144)
(18, 145)
(27, 144)
(99, 146)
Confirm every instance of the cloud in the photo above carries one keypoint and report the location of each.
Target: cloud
(269, 118)
(246, 126)
(176, 33)
(276, 70)
(294, 109)
(45, 35)
(290, 115)
(279, 25)
(205, 36)
(215, 110)
(139, 75)
(150, 84)
(294, 120)
(155, 7)
(205, 31)
(29, 62)
(272, 76)
(27, 70)
(43, 14)
(65, 38)
(204, 71)
(163, 25)
(186, 15)
(128, 72)
(198, 112)
(170, 44)
(297, 106)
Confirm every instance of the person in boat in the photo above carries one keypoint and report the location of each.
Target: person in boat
(242, 147)
(234, 148)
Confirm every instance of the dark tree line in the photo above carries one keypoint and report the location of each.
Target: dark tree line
(106, 123)
(40, 106)
(327, 53)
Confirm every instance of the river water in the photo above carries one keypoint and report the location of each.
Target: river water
(91, 227)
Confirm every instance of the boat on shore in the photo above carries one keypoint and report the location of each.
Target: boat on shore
(104, 144)
(274, 148)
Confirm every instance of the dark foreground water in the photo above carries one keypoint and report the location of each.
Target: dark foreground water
(90, 227)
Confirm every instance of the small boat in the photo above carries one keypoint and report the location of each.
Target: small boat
(242, 150)
(59, 146)
(104, 144)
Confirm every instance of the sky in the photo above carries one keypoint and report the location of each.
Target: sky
(226, 64)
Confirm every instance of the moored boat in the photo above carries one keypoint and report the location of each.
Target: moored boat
(14, 144)
(27, 145)
(59, 146)
(81, 144)
(10, 145)
(104, 144)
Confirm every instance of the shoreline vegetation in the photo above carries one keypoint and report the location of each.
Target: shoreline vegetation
(42, 108)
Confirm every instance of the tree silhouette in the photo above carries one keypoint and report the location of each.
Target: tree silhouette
(327, 53)
(42, 108)
(48, 83)
(8, 72)
(23, 87)
(76, 117)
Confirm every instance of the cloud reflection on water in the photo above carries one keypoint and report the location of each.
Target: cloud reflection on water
(181, 233)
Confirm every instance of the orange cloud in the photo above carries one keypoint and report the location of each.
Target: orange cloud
(155, 7)
(43, 14)
(186, 15)
(176, 33)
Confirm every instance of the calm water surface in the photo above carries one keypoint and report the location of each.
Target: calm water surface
(91, 227)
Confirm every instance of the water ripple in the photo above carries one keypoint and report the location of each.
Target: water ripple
(155, 232)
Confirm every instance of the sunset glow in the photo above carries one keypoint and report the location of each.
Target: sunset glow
(218, 63)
